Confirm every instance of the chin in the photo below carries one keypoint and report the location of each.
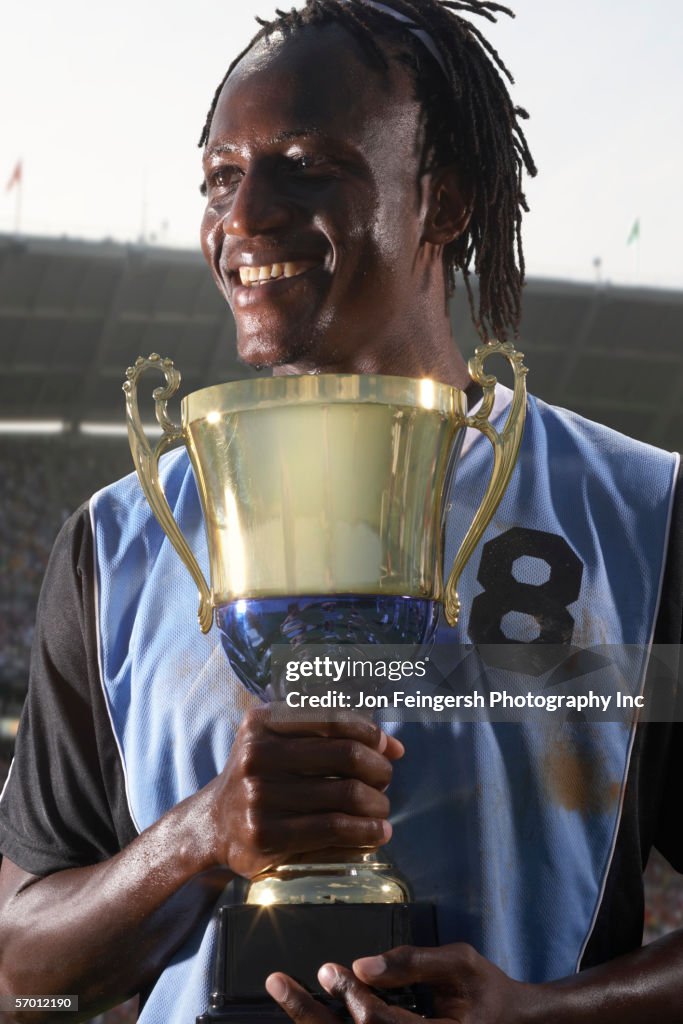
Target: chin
(262, 350)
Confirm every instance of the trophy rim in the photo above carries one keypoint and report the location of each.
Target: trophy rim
(420, 393)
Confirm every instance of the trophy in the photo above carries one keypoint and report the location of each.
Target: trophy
(324, 500)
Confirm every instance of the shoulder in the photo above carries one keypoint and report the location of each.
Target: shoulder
(69, 567)
(124, 500)
(121, 518)
(639, 474)
(603, 441)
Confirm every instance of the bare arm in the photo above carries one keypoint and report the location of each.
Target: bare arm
(104, 932)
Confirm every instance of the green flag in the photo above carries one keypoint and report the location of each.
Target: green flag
(634, 236)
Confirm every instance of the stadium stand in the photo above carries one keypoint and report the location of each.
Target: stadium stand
(74, 314)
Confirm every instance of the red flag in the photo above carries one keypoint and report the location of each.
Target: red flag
(15, 177)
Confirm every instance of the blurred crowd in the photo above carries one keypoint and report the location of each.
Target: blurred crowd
(43, 481)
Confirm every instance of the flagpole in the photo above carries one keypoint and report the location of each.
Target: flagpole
(636, 259)
(16, 181)
(634, 239)
(17, 206)
(638, 245)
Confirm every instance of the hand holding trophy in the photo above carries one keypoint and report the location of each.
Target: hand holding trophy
(323, 499)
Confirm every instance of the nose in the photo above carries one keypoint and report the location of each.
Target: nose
(258, 207)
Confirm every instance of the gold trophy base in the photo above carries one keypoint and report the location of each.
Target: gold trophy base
(365, 880)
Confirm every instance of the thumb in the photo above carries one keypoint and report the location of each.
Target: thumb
(410, 965)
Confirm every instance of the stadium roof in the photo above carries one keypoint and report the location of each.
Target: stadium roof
(74, 314)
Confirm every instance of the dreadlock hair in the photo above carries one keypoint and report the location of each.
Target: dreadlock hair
(468, 120)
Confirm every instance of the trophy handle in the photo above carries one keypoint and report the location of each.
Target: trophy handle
(505, 451)
(147, 464)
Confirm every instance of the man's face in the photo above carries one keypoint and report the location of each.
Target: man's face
(312, 227)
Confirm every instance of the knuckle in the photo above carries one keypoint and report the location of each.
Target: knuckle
(258, 831)
(296, 1007)
(248, 723)
(338, 829)
(331, 829)
(403, 956)
(331, 730)
(364, 1014)
(386, 772)
(466, 954)
(381, 805)
(252, 723)
(249, 757)
(254, 791)
(356, 726)
(353, 792)
(356, 754)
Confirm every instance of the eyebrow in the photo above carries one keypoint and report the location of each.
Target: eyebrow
(286, 135)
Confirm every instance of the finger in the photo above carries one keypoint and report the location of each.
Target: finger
(394, 749)
(326, 855)
(296, 1002)
(349, 796)
(347, 726)
(363, 1005)
(313, 756)
(409, 965)
(296, 835)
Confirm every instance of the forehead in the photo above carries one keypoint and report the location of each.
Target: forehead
(319, 80)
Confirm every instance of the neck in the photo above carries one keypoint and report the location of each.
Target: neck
(436, 356)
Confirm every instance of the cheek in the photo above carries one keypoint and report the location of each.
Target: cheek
(367, 239)
(393, 245)
(210, 235)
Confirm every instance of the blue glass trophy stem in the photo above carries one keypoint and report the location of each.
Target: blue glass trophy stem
(250, 627)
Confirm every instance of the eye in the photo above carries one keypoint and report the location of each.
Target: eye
(311, 166)
(222, 181)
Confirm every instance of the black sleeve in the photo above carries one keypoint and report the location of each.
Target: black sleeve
(64, 804)
(669, 831)
(652, 814)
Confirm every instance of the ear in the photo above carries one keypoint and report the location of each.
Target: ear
(448, 206)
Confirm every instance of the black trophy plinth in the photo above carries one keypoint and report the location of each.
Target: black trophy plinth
(255, 941)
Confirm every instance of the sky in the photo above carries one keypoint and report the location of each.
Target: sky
(104, 103)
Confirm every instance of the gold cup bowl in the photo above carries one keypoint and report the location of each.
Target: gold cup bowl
(325, 486)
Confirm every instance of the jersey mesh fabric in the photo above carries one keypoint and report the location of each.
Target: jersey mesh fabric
(579, 489)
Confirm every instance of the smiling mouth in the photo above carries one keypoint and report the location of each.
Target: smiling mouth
(255, 277)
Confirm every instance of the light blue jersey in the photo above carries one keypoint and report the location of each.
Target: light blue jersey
(508, 829)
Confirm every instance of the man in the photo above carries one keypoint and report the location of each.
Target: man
(353, 160)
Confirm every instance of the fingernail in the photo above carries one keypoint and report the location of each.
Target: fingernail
(383, 741)
(327, 976)
(387, 830)
(276, 987)
(370, 966)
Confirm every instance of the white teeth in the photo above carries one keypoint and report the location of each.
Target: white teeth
(256, 276)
